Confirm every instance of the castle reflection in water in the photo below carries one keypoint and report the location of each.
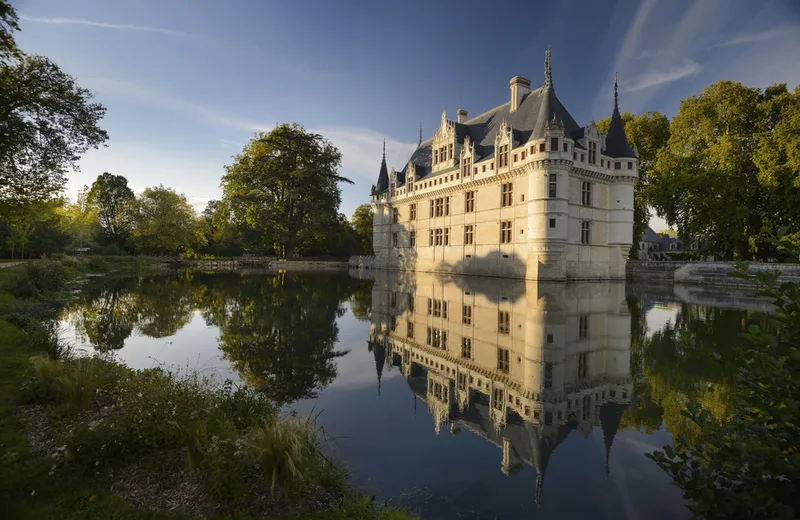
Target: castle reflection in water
(521, 364)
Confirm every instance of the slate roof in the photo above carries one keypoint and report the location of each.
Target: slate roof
(529, 121)
(651, 236)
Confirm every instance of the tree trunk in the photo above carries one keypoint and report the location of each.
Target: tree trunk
(288, 249)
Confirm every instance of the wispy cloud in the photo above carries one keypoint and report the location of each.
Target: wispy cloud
(229, 144)
(655, 78)
(124, 27)
(772, 34)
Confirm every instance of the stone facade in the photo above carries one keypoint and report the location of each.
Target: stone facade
(519, 363)
(520, 191)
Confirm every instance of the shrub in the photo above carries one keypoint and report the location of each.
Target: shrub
(47, 369)
(46, 275)
(79, 384)
(95, 263)
(21, 287)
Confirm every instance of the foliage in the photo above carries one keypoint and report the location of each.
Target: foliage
(8, 24)
(649, 133)
(748, 466)
(165, 223)
(113, 201)
(46, 122)
(362, 228)
(728, 172)
(282, 183)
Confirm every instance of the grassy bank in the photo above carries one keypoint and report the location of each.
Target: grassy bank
(85, 437)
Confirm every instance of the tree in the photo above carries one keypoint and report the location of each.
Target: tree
(8, 24)
(705, 180)
(165, 223)
(282, 183)
(649, 133)
(83, 222)
(113, 201)
(749, 466)
(362, 225)
(46, 122)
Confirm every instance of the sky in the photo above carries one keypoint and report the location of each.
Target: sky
(187, 83)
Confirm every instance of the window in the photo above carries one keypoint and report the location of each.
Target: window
(410, 303)
(410, 329)
(586, 232)
(617, 165)
(602, 163)
(630, 165)
(542, 147)
(554, 144)
(586, 193)
(447, 236)
(432, 204)
(592, 152)
(491, 165)
(552, 223)
(565, 147)
(468, 235)
(438, 237)
(583, 156)
(467, 315)
(466, 348)
(583, 326)
(412, 239)
(497, 397)
(430, 306)
(549, 338)
(524, 154)
(502, 156)
(483, 168)
(583, 366)
(466, 166)
(552, 185)
(533, 149)
(469, 202)
(393, 302)
(507, 198)
(503, 322)
(462, 381)
(436, 157)
(393, 323)
(394, 239)
(450, 155)
(505, 232)
(548, 376)
(515, 157)
(502, 360)
(412, 215)
(430, 237)
(574, 156)
(395, 215)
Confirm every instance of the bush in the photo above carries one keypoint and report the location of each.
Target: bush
(46, 275)
(95, 263)
(79, 384)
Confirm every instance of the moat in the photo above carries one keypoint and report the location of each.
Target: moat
(456, 397)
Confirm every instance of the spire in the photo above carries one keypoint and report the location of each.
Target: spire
(548, 72)
(537, 496)
(383, 175)
(379, 352)
(420, 132)
(610, 417)
(616, 142)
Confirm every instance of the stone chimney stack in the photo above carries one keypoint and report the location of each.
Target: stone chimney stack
(462, 115)
(519, 87)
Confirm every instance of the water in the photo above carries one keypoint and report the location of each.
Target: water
(511, 399)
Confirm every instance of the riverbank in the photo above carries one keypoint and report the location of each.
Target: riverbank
(89, 438)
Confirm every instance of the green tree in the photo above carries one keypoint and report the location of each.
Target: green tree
(113, 201)
(46, 122)
(649, 133)
(705, 180)
(83, 222)
(8, 24)
(362, 226)
(748, 466)
(165, 223)
(282, 183)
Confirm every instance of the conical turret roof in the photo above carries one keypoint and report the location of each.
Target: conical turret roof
(616, 142)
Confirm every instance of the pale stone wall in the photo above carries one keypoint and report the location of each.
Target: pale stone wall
(704, 273)
(537, 250)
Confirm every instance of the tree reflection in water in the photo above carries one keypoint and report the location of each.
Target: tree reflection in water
(279, 332)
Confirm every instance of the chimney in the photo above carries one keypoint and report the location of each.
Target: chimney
(519, 87)
(462, 115)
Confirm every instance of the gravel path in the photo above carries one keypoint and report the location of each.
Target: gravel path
(3, 265)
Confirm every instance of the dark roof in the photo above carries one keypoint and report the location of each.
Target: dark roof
(650, 235)
(616, 142)
(383, 176)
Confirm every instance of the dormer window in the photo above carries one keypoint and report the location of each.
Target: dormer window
(554, 144)
(502, 156)
(592, 152)
(630, 165)
(436, 157)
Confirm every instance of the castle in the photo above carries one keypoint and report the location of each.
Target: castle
(521, 364)
(520, 191)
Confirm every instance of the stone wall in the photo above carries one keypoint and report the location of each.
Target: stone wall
(703, 273)
(282, 265)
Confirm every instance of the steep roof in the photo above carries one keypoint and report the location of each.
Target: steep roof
(616, 142)
(383, 175)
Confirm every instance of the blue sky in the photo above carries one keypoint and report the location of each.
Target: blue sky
(187, 82)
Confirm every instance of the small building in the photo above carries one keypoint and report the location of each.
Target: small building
(520, 191)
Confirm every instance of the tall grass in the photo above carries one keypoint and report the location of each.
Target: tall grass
(79, 384)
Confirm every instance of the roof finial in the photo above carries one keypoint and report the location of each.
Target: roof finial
(384, 148)
(548, 73)
(420, 132)
(616, 93)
